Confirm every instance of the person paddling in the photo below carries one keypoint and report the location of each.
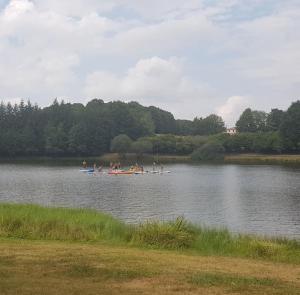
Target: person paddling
(154, 167)
(161, 168)
(84, 164)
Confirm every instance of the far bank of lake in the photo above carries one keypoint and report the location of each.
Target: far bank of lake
(283, 159)
(129, 159)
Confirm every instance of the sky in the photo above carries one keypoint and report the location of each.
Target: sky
(192, 57)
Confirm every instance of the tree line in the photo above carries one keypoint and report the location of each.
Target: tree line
(278, 129)
(258, 132)
(99, 127)
(77, 129)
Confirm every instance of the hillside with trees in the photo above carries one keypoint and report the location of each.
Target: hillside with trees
(74, 129)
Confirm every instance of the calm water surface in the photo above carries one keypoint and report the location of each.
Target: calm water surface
(263, 200)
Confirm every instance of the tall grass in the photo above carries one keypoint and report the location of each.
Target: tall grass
(36, 222)
(41, 223)
(176, 234)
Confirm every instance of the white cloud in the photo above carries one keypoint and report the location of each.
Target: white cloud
(151, 81)
(41, 50)
(269, 48)
(52, 48)
(157, 9)
(75, 8)
(232, 109)
(167, 36)
(16, 8)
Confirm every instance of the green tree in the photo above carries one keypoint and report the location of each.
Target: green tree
(240, 143)
(141, 146)
(56, 140)
(184, 127)
(246, 122)
(274, 119)
(252, 121)
(260, 120)
(164, 122)
(268, 142)
(121, 144)
(164, 144)
(78, 139)
(212, 124)
(290, 127)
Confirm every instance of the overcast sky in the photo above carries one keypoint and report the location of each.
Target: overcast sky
(191, 57)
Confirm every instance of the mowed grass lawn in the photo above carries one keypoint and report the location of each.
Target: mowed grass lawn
(40, 267)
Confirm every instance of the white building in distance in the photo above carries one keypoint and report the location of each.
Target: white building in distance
(231, 131)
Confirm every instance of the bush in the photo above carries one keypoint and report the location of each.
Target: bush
(141, 146)
(269, 142)
(121, 144)
(208, 152)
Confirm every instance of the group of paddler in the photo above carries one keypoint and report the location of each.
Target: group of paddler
(115, 168)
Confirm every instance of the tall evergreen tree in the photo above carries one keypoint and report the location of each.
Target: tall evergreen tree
(290, 127)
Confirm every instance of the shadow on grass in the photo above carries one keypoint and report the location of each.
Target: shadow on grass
(85, 270)
(237, 283)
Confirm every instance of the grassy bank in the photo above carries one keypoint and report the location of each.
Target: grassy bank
(106, 159)
(230, 159)
(39, 223)
(263, 159)
(66, 251)
(147, 158)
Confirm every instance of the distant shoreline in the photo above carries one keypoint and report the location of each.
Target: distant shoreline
(105, 159)
(264, 159)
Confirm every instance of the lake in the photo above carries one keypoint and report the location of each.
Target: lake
(263, 200)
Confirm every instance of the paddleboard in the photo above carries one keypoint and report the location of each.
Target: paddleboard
(160, 172)
(86, 170)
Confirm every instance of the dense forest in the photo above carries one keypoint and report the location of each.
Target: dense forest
(74, 129)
